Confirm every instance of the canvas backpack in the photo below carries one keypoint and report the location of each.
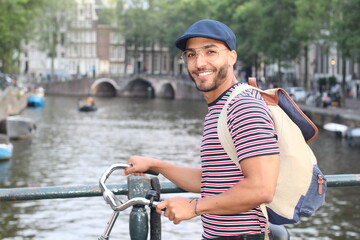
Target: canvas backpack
(301, 186)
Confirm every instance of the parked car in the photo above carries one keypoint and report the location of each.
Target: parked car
(298, 94)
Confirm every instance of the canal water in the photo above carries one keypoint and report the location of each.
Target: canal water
(74, 148)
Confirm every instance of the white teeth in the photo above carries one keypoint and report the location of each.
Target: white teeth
(204, 74)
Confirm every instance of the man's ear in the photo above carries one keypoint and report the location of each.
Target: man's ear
(232, 57)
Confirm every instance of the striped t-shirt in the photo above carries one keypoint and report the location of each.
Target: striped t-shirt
(252, 129)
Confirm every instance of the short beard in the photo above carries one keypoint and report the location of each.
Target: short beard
(220, 78)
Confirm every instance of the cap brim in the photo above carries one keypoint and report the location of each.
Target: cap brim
(181, 41)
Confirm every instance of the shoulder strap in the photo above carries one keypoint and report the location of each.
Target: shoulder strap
(252, 82)
(226, 139)
(223, 130)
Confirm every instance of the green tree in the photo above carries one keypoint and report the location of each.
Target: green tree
(264, 31)
(346, 33)
(145, 23)
(134, 22)
(312, 18)
(246, 24)
(106, 16)
(178, 15)
(16, 23)
(276, 36)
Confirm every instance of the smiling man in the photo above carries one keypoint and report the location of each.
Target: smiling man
(230, 197)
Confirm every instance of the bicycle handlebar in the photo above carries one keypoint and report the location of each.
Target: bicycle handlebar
(136, 201)
(110, 198)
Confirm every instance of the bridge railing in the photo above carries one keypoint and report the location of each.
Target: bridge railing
(137, 186)
(38, 193)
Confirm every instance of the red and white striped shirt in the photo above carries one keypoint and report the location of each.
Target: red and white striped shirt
(252, 129)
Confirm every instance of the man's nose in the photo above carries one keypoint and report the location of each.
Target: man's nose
(200, 59)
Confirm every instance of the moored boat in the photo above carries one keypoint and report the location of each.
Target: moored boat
(35, 101)
(337, 128)
(36, 98)
(352, 136)
(18, 127)
(6, 148)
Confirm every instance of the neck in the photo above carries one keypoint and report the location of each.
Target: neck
(213, 95)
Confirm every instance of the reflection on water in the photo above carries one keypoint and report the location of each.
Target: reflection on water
(5, 172)
(74, 148)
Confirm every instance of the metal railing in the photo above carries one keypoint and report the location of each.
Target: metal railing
(38, 193)
(137, 186)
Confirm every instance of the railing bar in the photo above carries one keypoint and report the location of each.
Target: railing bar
(39, 193)
(343, 180)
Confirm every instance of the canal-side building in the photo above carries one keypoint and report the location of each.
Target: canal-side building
(323, 63)
(90, 49)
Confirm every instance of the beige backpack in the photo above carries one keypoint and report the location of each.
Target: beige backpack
(301, 186)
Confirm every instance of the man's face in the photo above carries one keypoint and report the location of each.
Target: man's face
(207, 72)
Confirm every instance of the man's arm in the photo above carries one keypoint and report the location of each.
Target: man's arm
(186, 178)
(258, 187)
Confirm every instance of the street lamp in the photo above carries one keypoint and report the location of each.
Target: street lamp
(333, 62)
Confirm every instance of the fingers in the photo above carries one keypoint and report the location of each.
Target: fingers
(168, 212)
(137, 166)
(129, 170)
(161, 207)
(140, 164)
(176, 209)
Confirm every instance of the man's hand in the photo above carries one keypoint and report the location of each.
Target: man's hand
(138, 165)
(177, 209)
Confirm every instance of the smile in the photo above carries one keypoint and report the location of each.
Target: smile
(204, 74)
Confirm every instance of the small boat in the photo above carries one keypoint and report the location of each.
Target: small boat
(87, 108)
(352, 136)
(36, 99)
(337, 128)
(6, 148)
(88, 105)
(18, 127)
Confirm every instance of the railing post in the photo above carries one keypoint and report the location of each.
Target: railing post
(155, 218)
(138, 222)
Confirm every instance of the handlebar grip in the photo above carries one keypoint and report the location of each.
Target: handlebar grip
(152, 172)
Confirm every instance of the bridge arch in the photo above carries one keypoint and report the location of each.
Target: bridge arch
(139, 88)
(105, 87)
(167, 91)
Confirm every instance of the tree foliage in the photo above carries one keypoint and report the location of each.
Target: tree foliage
(345, 32)
(16, 18)
(268, 32)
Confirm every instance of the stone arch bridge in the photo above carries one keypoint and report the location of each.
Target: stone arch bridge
(132, 86)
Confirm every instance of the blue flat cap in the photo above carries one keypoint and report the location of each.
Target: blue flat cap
(207, 28)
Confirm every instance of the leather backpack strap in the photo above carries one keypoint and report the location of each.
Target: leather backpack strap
(252, 82)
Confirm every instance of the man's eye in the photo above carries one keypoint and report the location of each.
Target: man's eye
(190, 55)
(210, 52)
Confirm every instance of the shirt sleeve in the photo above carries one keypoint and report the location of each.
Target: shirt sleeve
(251, 126)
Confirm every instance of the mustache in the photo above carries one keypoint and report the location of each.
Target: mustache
(203, 69)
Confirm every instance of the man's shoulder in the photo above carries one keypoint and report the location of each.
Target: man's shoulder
(248, 96)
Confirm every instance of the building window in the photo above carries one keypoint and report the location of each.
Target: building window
(156, 62)
(117, 53)
(164, 62)
(62, 39)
